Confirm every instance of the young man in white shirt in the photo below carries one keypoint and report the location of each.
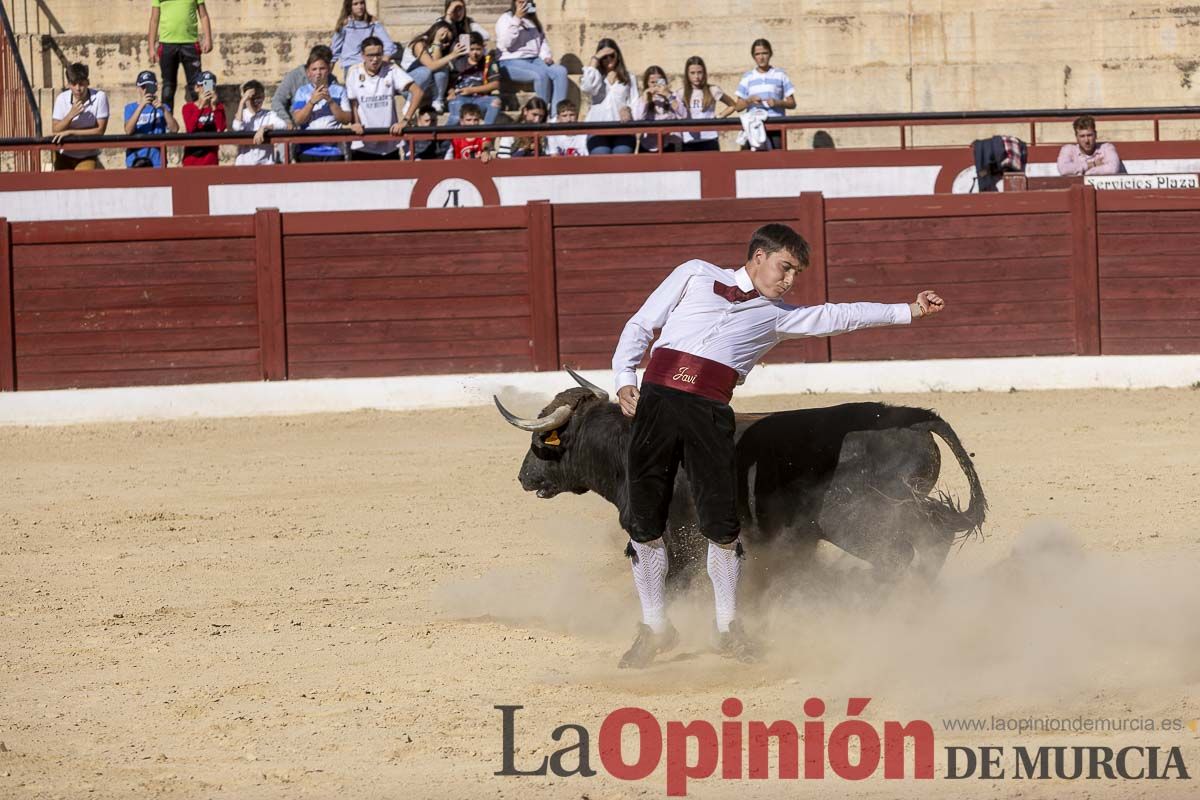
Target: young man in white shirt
(372, 87)
(715, 326)
(79, 111)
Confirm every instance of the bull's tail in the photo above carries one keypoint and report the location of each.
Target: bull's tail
(970, 520)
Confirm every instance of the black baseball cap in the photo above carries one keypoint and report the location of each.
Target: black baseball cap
(205, 76)
(146, 78)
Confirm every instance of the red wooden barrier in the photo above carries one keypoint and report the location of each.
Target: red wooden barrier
(378, 293)
(134, 302)
(268, 254)
(1149, 273)
(271, 296)
(8, 352)
(1001, 261)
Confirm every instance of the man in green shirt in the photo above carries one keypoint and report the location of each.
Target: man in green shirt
(179, 32)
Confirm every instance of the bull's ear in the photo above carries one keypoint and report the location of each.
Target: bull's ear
(551, 439)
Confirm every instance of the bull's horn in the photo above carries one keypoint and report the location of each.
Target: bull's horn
(585, 383)
(557, 418)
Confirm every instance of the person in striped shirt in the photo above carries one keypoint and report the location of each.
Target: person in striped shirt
(766, 87)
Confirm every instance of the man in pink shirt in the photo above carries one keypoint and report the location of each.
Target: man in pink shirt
(1087, 156)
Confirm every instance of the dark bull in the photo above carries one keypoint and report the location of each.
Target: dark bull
(859, 475)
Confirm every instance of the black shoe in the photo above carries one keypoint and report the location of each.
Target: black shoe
(738, 645)
(647, 645)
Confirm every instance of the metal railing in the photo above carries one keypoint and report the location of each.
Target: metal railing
(658, 129)
(19, 114)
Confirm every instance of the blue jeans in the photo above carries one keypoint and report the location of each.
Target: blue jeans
(610, 145)
(549, 80)
(433, 84)
(489, 103)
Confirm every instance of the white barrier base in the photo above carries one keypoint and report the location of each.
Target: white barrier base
(68, 406)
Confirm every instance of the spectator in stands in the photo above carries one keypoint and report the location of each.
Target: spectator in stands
(656, 102)
(455, 13)
(79, 111)
(525, 55)
(180, 31)
(206, 114)
(427, 59)
(475, 80)
(611, 89)
(1087, 156)
(147, 117)
(354, 25)
(700, 98)
(427, 149)
(251, 116)
(532, 113)
(574, 144)
(372, 87)
(766, 87)
(479, 147)
(281, 102)
(320, 105)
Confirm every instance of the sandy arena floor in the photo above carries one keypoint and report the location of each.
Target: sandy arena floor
(330, 606)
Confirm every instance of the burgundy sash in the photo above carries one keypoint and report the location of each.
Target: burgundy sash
(689, 373)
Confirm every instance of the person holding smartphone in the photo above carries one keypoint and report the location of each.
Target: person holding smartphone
(455, 14)
(320, 105)
(656, 102)
(206, 114)
(147, 116)
(477, 81)
(525, 55)
(427, 61)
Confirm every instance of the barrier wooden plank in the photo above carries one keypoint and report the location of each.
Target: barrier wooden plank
(409, 330)
(1145, 266)
(1118, 222)
(134, 319)
(851, 252)
(126, 231)
(157, 256)
(381, 248)
(8, 350)
(138, 377)
(753, 212)
(996, 270)
(415, 366)
(272, 333)
(920, 229)
(337, 310)
(543, 297)
(142, 341)
(89, 276)
(811, 287)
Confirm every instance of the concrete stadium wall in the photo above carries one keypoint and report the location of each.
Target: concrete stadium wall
(844, 56)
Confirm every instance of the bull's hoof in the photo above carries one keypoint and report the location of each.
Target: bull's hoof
(647, 645)
(739, 645)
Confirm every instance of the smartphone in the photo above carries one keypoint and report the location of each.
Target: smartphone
(209, 85)
(530, 8)
(464, 40)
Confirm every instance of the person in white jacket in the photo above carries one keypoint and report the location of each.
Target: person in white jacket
(251, 116)
(612, 91)
(525, 55)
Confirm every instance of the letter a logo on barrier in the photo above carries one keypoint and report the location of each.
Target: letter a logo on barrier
(452, 199)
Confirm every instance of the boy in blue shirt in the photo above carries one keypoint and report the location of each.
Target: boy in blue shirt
(147, 116)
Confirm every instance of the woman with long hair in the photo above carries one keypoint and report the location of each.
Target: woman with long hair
(455, 13)
(766, 87)
(656, 102)
(525, 55)
(354, 25)
(534, 112)
(607, 83)
(427, 60)
(700, 98)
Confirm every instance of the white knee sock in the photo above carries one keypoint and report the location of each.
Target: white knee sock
(650, 578)
(724, 568)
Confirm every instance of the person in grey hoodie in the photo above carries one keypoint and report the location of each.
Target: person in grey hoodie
(355, 24)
